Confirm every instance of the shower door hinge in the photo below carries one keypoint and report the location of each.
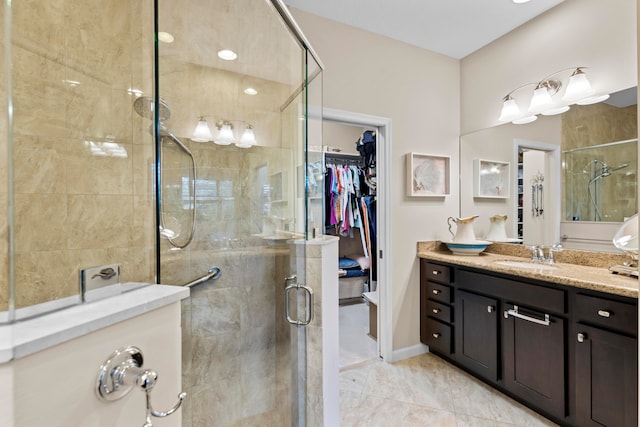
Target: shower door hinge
(380, 253)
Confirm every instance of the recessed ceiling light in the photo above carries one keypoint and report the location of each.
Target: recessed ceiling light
(165, 37)
(520, 1)
(250, 91)
(227, 55)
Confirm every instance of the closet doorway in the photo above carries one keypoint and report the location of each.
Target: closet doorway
(539, 192)
(364, 322)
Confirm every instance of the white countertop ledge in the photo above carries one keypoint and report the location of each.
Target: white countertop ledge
(26, 337)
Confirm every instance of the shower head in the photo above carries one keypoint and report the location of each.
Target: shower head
(144, 106)
(606, 170)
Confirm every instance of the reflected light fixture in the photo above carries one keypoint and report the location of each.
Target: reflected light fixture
(593, 99)
(578, 90)
(541, 99)
(525, 120)
(578, 87)
(202, 133)
(225, 135)
(250, 91)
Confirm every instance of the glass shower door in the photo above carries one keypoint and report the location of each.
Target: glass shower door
(232, 79)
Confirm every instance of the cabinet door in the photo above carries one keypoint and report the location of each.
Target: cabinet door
(533, 352)
(476, 333)
(606, 378)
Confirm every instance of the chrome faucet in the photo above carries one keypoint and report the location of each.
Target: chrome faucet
(537, 253)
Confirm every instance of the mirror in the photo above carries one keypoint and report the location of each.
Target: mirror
(587, 174)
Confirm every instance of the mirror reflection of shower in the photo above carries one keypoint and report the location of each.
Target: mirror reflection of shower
(598, 170)
(170, 227)
(600, 182)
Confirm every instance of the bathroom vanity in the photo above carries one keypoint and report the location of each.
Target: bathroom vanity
(560, 338)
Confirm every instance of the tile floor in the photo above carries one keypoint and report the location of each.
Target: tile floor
(356, 346)
(420, 391)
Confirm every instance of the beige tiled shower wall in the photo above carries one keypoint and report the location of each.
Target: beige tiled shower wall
(597, 124)
(73, 65)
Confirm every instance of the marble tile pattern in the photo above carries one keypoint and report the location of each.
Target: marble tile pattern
(425, 391)
(236, 343)
(582, 269)
(73, 63)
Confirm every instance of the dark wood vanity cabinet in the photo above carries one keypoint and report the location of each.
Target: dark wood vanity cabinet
(606, 361)
(534, 354)
(568, 353)
(436, 314)
(476, 337)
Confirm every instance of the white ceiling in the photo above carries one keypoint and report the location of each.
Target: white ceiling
(454, 28)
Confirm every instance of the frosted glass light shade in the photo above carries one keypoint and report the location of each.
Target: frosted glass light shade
(510, 110)
(554, 111)
(578, 87)
(202, 133)
(525, 120)
(540, 100)
(593, 99)
(225, 135)
(248, 139)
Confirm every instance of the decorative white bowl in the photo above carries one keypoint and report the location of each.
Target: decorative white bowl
(626, 238)
(471, 248)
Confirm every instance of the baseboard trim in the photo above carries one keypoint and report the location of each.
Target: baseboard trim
(407, 352)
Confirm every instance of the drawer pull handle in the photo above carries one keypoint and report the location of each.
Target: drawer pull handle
(436, 291)
(436, 335)
(435, 272)
(582, 337)
(604, 313)
(515, 313)
(436, 310)
(490, 309)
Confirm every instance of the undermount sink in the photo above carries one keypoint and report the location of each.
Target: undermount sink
(527, 265)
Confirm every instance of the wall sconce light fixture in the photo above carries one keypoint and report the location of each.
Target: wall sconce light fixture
(225, 135)
(578, 91)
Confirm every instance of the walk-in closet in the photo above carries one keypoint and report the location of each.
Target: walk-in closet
(350, 210)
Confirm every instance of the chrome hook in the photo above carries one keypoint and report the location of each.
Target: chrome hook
(121, 371)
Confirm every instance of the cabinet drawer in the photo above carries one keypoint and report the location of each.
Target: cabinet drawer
(438, 292)
(438, 336)
(514, 292)
(439, 311)
(607, 313)
(438, 273)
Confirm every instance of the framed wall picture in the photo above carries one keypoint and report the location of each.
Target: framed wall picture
(491, 179)
(428, 175)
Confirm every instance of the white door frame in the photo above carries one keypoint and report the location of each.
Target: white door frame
(383, 217)
(554, 190)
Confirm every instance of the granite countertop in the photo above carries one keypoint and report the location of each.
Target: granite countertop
(581, 269)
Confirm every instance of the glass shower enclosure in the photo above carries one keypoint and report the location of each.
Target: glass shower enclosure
(237, 90)
(600, 182)
(101, 164)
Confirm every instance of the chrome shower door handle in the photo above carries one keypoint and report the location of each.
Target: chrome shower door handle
(294, 285)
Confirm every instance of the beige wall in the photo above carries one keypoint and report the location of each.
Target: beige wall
(603, 39)
(56, 387)
(419, 91)
(497, 143)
